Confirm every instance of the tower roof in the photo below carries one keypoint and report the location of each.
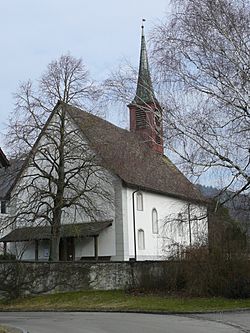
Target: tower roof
(144, 90)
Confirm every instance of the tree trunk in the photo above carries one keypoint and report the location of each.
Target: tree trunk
(55, 238)
(54, 243)
(54, 248)
(58, 201)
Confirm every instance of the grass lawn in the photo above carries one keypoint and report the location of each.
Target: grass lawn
(120, 301)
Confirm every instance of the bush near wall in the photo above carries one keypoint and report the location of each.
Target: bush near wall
(212, 277)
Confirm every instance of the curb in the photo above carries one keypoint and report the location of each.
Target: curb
(133, 311)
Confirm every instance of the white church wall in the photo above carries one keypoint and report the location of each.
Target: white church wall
(127, 227)
(21, 196)
(106, 241)
(170, 233)
(84, 247)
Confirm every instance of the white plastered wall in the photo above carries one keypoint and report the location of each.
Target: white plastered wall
(157, 245)
(83, 247)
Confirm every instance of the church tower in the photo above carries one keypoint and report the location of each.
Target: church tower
(145, 110)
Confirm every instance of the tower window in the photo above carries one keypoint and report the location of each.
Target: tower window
(158, 139)
(141, 239)
(140, 116)
(155, 228)
(139, 201)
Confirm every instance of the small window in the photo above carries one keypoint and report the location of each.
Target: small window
(141, 240)
(3, 207)
(139, 201)
(155, 228)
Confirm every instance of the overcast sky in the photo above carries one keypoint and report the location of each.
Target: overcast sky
(102, 32)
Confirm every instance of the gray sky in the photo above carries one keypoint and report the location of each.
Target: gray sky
(102, 32)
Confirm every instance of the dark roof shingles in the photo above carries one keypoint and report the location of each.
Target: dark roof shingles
(123, 153)
(132, 160)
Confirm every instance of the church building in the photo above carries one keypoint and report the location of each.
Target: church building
(153, 213)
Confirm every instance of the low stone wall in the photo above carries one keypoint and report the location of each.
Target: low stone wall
(200, 278)
(44, 277)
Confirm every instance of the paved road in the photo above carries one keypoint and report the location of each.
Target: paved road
(240, 318)
(85, 322)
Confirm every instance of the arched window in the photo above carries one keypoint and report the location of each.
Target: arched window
(180, 224)
(155, 228)
(139, 201)
(195, 226)
(141, 240)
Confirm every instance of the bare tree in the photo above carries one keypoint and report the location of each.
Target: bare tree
(202, 54)
(62, 179)
(184, 231)
(66, 79)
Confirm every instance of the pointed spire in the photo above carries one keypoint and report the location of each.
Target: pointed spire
(144, 91)
(145, 110)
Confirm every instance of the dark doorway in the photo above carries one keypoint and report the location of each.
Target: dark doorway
(67, 249)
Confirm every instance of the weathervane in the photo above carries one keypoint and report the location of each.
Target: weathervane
(142, 26)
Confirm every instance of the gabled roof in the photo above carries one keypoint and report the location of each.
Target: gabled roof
(85, 229)
(123, 153)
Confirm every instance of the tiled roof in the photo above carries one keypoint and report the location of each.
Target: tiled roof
(87, 229)
(123, 153)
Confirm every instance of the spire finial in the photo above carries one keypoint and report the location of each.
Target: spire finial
(142, 26)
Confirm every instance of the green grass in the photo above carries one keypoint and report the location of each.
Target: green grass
(3, 330)
(120, 301)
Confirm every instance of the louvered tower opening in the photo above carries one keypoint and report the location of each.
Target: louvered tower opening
(140, 116)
